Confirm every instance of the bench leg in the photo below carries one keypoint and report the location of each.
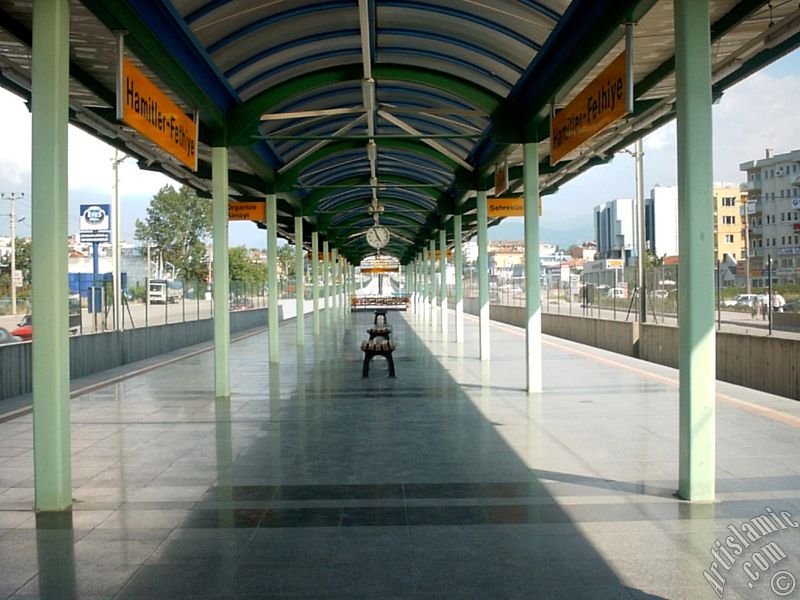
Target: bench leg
(390, 360)
(365, 367)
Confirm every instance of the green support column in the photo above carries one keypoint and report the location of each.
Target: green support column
(422, 290)
(345, 286)
(326, 272)
(299, 281)
(427, 267)
(533, 302)
(51, 410)
(272, 277)
(315, 280)
(222, 315)
(434, 290)
(458, 259)
(418, 269)
(483, 276)
(335, 275)
(426, 304)
(352, 289)
(697, 351)
(423, 284)
(412, 266)
(443, 280)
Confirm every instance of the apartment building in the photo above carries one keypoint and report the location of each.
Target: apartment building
(773, 212)
(661, 220)
(729, 235)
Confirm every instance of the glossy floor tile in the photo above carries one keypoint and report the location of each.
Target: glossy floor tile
(446, 482)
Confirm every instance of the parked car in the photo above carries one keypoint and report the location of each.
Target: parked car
(24, 330)
(743, 300)
(662, 294)
(7, 338)
(792, 306)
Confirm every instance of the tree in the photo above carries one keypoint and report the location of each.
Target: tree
(286, 260)
(177, 227)
(245, 270)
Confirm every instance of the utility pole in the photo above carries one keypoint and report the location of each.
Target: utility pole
(747, 243)
(115, 256)
(13, 214)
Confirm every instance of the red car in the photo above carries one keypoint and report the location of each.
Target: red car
(24, 330)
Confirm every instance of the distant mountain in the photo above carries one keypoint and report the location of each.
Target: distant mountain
(514, 229)
(564, 238)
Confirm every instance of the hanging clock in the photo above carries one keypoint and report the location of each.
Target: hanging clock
(378, 236)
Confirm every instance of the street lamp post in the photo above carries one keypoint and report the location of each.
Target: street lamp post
(638, 155)
(117, 265)
(13, 215)
(747, 244)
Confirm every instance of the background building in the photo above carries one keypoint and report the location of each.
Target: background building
(773, 208)
(661, 220)
(728, 222)
(615, 229)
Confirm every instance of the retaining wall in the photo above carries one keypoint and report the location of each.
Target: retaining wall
(767, 364)
(92, 353)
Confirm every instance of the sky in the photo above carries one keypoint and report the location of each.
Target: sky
(756, 114)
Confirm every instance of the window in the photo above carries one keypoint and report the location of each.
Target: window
(729, 239)
(728, 220)
(783, 217)
(729, 202)
(783, 240)
(767, 242)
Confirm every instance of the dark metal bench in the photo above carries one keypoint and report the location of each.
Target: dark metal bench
(384, 331)
(378, 346)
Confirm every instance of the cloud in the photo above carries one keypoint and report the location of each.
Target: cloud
(758, 113)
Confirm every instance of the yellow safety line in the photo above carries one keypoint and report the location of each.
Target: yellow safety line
(769, 413)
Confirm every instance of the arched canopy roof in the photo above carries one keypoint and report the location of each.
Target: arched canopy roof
(337, 104)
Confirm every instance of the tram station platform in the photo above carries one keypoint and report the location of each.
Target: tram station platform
(447, 482)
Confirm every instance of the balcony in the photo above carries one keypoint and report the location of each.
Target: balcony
(752, 207)
(751, 187)
(796, 180)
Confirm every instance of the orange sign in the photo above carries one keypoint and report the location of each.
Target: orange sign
(379, 269)
(320, 256)
(150, 112)
(448, 254)
(247, 211)
(506, 207)
(601, 103)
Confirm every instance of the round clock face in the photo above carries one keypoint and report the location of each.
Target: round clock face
(377, 236)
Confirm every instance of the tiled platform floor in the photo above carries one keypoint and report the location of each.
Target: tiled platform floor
(447, 482)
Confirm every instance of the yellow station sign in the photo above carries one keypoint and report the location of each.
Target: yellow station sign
(150, 112)
(449, 254)
(601, 103)
(320, 256)
(506, 207)
(247, 211)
